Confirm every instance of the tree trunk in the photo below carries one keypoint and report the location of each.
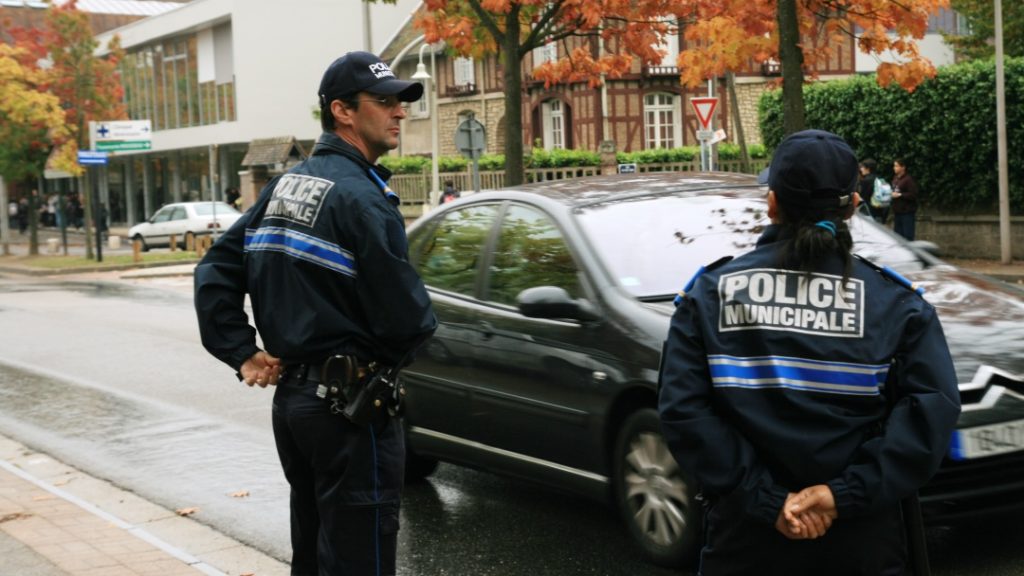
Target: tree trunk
(513, 76)
(730, 81)
(791, 57)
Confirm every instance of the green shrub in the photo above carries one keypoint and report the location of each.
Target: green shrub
(557, 158)
(659, 155)
(405, 164)
(452, 164)
(945, 130)
(492, 162)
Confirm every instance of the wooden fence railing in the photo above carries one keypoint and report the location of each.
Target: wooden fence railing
(415, 188)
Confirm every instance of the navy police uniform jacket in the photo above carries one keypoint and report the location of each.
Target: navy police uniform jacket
(324, 257)
(773, 380)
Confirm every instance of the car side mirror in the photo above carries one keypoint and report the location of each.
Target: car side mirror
(927, 247)
(554, 302)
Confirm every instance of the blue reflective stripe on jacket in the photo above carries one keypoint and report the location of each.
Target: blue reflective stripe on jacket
(773, 380)
(324, 258)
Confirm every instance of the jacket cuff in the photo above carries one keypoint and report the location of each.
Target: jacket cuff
(843, 497)
(239, 357)
(770, 504)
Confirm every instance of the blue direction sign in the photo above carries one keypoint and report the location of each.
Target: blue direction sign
(91, 158)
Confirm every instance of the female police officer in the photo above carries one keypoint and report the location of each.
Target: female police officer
(773, 386)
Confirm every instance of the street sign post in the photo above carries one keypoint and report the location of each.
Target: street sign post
(121, 135)
(470, 137)
(704, 107)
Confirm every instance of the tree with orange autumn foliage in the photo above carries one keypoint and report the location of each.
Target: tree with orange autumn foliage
(88, 87)
(603, 38)
(598, 38)
(723, 35)
(30, 121)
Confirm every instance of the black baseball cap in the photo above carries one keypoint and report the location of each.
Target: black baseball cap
(813, 168)
(364, 72)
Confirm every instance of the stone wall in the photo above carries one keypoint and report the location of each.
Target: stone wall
(489, 110)
(969, 236)
(747, 97)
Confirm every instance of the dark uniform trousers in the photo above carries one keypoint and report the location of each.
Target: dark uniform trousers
(345, 482)
(868, 546)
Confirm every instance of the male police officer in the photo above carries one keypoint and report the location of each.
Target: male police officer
(774, 382)
(323, 257)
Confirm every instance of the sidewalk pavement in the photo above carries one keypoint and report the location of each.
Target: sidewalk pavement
(57, 521)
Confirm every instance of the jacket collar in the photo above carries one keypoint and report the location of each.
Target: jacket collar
(773, 233)
(331, 143)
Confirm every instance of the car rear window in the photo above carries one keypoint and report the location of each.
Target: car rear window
(652, 245)
(207, 209)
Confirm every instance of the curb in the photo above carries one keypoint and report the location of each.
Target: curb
(31, 271)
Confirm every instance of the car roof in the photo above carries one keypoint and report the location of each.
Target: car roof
(579, 192)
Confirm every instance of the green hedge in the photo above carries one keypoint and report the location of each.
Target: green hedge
(945, 130)
(538, 158)
(726, 151)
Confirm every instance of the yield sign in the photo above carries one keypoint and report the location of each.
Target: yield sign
(705, 109)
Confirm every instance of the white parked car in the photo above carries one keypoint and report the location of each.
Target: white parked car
(185, 221)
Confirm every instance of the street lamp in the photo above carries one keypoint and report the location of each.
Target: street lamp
(421, 74)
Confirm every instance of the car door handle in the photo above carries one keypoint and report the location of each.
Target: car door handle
(486, 330)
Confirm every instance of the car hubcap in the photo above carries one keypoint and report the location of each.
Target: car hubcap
(655, 489)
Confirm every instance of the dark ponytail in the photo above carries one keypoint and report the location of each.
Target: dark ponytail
(814, 236)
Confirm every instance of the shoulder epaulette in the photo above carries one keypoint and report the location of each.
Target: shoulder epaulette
(893, 275)
(689, 285)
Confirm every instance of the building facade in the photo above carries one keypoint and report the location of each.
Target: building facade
(644, 109)
(213, 76)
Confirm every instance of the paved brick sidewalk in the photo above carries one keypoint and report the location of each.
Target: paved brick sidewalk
(56, 521)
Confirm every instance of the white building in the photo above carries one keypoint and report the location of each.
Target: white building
(214, 75)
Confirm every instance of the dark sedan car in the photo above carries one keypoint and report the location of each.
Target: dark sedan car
(554, 299)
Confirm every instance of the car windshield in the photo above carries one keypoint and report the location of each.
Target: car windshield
(652, 245)
(207, 209)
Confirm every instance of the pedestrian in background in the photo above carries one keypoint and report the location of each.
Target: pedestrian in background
(23, 214)
(904, 200)
(450, 194)
(324, 258)
(12, 213)
(868, 178)
(771, 386)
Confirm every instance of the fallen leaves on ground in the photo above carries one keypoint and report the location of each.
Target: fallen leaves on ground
(186, 511)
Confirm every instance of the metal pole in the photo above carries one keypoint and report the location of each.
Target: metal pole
(213, 186)
(97, 218)
(1004, 179)
(5, 230)
(367, 28)
(435, 147)
(711, 128)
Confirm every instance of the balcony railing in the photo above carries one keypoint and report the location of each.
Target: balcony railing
(461, 90)
(661, 70)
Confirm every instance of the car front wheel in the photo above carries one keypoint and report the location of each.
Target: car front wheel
(653, 495)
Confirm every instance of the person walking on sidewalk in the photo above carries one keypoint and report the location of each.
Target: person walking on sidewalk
(324, 258)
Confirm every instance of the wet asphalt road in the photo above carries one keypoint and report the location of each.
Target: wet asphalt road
(110, 378)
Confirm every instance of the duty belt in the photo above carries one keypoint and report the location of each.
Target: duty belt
(355, 390)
